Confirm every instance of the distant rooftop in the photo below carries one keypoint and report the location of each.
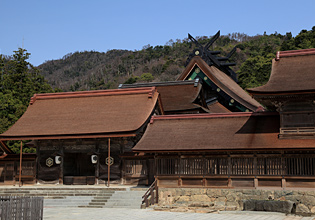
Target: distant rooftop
(176, 96)
(292, 72)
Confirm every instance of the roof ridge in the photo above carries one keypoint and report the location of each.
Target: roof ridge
(164, 83)
(290, 53)
(129, 91)
(210, 115)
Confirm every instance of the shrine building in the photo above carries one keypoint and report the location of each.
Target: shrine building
(202, 130)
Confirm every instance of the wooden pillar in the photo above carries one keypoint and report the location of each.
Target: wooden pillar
(283, 183)
(255, 182)
(283, 171)
(37, 160)
(255, 171)
(108, 165)
(97, 168)
(229, 170)
(61, 150)
(20, 175)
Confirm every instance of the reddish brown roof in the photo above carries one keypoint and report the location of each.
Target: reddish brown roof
(175, 95)
(292, 72)
(206, 132)
(179, 97)
(85, 114)
(217, 107)
(221, 80)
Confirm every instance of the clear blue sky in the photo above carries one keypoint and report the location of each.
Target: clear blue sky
(52, 29)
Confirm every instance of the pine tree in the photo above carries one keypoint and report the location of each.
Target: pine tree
(20, 80)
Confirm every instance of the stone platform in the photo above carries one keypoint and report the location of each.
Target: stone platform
(232, 199)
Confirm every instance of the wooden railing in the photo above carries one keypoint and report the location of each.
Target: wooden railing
(276, 165)
(151, 196)
(17, 208)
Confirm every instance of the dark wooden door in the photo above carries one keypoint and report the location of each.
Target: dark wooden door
(78, 164)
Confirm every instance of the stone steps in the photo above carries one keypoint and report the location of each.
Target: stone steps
(128, 199)
(64, 197)
(82, 197)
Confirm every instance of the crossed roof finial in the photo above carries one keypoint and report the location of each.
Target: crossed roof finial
(210, 57)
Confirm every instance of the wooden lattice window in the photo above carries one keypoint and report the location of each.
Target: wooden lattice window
(167, 166)
(300, 166)
(242, 166)
(269, 166)
(216, 166)
(192, 166)
(135, 167)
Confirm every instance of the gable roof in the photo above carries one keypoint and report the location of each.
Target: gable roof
(222, 81)
(214, 132)
(292, 72)
(88, 114)
(175, 95)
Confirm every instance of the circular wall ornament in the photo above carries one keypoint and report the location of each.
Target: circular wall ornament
(109, 161)
(197, 70)
(197, 52)
(205, 78)
(218, 89)
(49, 162)
(232, 101)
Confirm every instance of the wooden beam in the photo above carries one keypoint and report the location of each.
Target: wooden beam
(67, 137)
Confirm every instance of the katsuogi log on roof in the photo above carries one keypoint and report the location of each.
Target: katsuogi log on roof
(90, 114)
(215, 132)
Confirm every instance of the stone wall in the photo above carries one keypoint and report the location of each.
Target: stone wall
(232, 199)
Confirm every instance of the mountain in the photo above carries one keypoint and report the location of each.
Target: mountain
(91, 70)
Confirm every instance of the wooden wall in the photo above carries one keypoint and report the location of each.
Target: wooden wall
(76, 155)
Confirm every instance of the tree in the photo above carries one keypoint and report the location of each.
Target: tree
(20, 80)
(255, 71)
(147, 77)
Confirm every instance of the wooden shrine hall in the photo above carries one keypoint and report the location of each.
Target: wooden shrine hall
(257, 149)
(202, 130)
(77, 134)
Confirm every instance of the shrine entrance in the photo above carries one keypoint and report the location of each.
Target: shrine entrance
(78, 169)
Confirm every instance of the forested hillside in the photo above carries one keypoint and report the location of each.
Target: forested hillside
(90, 70)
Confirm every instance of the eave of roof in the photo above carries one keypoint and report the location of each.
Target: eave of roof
(64, 137)
(217, 132)
(211, 115)
(221, 80)
(90, 114)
